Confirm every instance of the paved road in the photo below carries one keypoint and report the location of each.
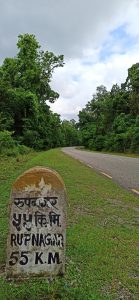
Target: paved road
(123, 170)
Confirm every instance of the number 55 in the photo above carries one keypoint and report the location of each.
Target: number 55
(15, 257)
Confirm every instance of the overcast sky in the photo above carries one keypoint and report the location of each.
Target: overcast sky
(99, 39)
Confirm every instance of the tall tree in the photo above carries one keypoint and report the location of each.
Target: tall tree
(25, 86)
(132, 83)
(110, 120)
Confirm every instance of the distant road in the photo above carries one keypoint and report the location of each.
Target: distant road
(123, 170)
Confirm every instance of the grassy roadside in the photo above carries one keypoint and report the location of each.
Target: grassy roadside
(102, 235)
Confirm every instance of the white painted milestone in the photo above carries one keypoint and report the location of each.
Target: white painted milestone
(37, 227)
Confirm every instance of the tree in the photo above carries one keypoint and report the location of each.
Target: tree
(132, 84)
(71, 134)
(25, 91)
(109, 120)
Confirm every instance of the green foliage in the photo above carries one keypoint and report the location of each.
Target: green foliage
(32, 139)
(16, 151)
(110, 120)
(135, 137)
(10, 147)
(11, 152)
(132, 84)
(24, 92)
(109, 142)
(102, 235)
(22, 149)
(71, 134)
(6, 121)
(6, 140)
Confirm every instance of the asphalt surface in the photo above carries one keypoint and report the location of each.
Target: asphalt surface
(123, 170)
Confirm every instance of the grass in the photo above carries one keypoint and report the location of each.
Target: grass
(102, 254)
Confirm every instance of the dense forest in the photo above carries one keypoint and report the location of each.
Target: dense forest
(110, 121)
(25, 93)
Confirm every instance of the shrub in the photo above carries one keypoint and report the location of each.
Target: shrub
(91, 145)
(9, 147)
(18, 150)
(99, 142)
(31, 138)
(109, 142)
(6, 140)
(22, 149)
(135, 141)
(11, 152)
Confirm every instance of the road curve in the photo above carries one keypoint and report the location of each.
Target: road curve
(123, 170)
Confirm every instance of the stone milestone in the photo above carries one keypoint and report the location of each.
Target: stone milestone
(37, 227)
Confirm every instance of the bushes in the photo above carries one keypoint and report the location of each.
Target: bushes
(6, 140)
(9, 146)
(18, 150)
(109, 142)
(22, 149)
(32, 139)
(120, 139)
(97, 143)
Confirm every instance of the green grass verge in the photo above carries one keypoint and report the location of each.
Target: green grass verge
(102, 255)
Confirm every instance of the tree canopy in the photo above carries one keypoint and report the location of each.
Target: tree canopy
(110, 120)
(25, 93)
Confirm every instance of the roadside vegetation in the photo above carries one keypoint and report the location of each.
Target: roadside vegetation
(110, 120)
(102, 252)
(102, 260)
(25, 94)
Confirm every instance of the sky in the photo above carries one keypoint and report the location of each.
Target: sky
(98, 38)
